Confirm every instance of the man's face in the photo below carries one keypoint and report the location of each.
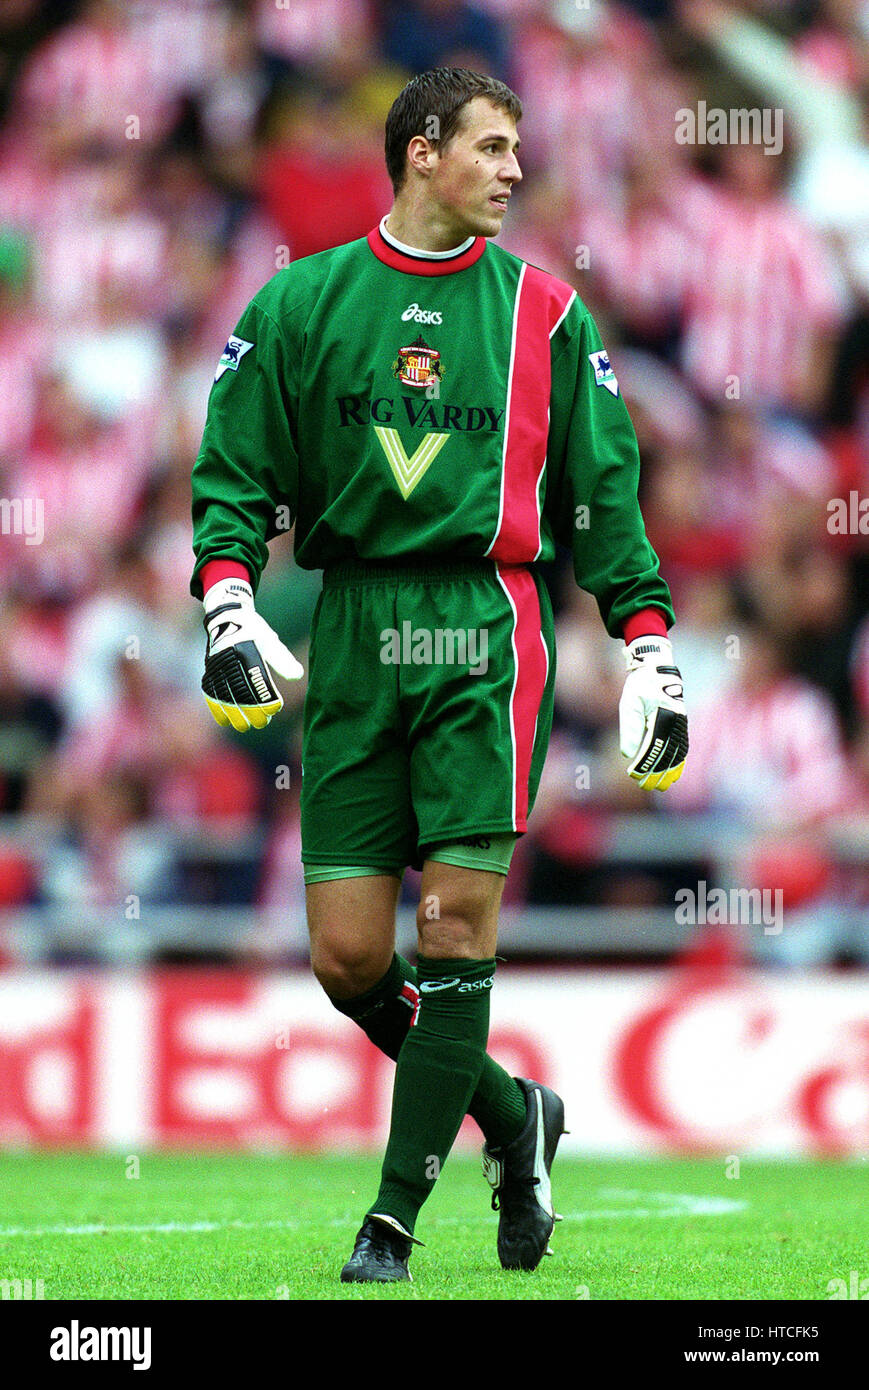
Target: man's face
(472, 176)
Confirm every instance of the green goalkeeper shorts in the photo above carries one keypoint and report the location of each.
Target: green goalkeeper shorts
(428, 711)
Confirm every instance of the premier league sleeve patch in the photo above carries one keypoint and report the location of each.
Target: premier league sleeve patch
(603, 372)
(232, 355)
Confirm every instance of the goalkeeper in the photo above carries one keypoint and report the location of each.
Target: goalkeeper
(433, 414)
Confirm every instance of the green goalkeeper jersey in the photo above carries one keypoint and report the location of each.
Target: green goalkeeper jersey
(395, 405)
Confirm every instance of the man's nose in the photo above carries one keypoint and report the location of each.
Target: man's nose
(512, 170)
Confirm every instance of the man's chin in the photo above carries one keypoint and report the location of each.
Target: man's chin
(486, 224)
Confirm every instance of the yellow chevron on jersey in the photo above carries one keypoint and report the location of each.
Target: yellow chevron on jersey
(408, 471)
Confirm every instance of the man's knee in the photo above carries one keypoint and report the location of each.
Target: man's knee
(461, 920)
(351, 922)
(346, 969)
(451, 937)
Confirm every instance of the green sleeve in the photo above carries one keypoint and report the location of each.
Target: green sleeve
(593, 470)
(246, 475)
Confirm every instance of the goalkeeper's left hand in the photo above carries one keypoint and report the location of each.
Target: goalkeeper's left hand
(652, 721)
(241, 652)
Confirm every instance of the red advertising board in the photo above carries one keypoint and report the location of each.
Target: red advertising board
(692, 1061)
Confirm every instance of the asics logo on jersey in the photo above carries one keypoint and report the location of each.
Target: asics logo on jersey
(435, 986)
(418, 315)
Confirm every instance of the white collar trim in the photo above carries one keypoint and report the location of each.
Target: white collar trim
(424, 255)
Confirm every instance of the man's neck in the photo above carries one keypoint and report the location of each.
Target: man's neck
(422, 233)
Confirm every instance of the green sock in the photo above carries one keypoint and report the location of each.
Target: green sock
(385, 1013)
(386, 1010)
(436, 1074)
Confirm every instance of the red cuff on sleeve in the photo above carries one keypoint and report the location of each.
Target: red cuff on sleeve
(214, 570)
(648, 622)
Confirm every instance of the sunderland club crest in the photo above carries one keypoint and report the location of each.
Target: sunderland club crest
(418, 365)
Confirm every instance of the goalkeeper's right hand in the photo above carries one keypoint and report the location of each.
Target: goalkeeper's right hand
(652, 719)
(239, 653)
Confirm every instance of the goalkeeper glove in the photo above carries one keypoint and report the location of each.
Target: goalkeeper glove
(652, 719)
(241, 647)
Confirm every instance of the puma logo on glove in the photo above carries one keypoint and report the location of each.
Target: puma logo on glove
(653, 723)
(240, 655)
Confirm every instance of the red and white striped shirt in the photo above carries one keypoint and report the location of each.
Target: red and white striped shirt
(643, 266)
(93, 77)
(308, 31)
(762, 286)
(26, 350)
(775, 756)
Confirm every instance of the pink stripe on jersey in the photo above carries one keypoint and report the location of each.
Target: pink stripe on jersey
(529, 680)
(541, 303)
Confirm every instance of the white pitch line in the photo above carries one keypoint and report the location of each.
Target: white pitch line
(667, 1204)
(621, 1213)
(162, 1228)
(680, 1204)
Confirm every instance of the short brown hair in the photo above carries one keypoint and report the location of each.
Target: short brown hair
(440, 92)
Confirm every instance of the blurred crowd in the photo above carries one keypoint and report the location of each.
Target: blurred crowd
(161, 159)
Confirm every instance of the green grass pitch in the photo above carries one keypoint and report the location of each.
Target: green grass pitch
(265, 1226)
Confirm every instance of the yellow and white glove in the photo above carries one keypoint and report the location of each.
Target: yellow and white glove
(241, 649)
(653, 725)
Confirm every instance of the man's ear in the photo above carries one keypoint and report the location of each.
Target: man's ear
(421, 154)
